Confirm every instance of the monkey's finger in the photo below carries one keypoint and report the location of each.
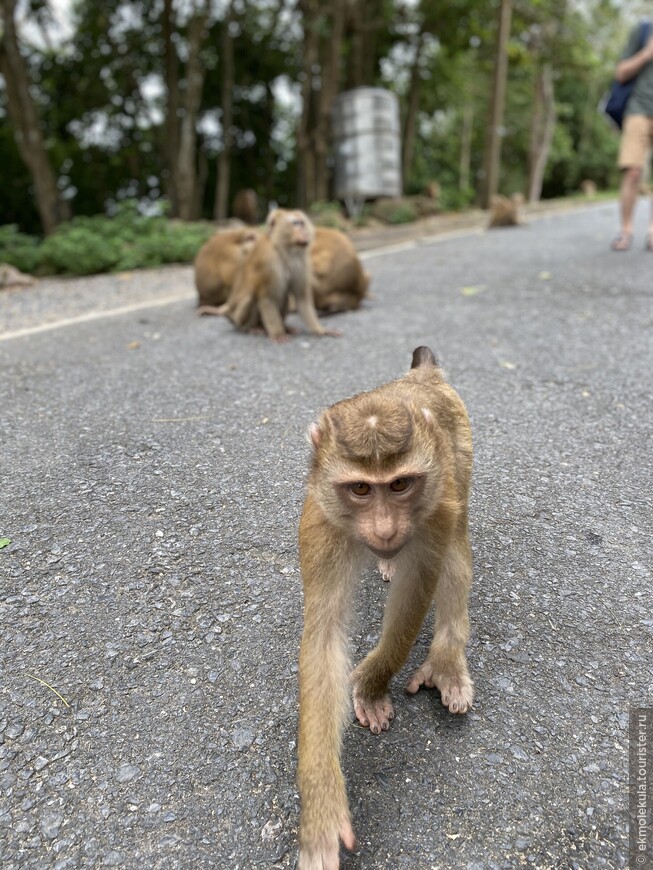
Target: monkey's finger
(421, 677)
(347, 836)
(375, 715)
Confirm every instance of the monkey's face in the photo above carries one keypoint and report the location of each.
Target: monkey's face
(381, 510)
(290, 228)
(374, 474)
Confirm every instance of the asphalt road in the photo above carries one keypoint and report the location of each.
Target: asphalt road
(151, 479)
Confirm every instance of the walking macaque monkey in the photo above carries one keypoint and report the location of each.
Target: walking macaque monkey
(277, 266)
(506, 212)
(390, 480)
(216, 264)
(339, 281)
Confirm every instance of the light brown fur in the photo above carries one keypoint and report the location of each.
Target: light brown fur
(506, 212)
(245, 206)
(216, 264)
(339, 281)
(389, 480)
(277, 267)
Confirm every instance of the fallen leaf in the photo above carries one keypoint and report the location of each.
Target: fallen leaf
(4, 542)
(507, 365)
(133, 345)
(545, 276)
(472, 291)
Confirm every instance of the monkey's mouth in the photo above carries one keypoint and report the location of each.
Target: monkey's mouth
(386, 554)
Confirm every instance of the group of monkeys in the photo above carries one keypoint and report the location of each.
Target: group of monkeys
(388, 484)
(254, 278)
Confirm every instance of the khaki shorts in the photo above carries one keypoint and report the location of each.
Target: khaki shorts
(636, 140)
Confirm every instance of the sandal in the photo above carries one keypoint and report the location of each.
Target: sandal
(623, 242)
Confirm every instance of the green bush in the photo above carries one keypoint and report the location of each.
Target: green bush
(394, 211)
(19, 249)
(78, 249)
(88, 245)
(327, 214)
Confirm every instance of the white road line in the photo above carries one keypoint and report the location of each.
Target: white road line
(97, 315)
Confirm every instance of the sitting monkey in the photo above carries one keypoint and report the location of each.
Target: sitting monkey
(277, 266)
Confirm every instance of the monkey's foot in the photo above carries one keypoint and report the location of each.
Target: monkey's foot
(324, 853)
(373, 713)
(457, 689)
(386, 569)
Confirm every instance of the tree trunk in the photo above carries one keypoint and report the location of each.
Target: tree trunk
(305, 154)
(466, 145)
(330, 83)
(171, 143)
(542, 129)
(221, 208)
(52, 208)
(410, 123)
(186, 157)
(492, 160)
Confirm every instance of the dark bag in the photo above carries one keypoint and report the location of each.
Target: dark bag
(619, 94)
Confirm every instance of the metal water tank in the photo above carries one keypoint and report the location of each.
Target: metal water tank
(366, 135)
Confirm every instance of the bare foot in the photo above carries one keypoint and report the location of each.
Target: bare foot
(386, 569)
(373, 713)
(324, 855)
(622, 242)
(457, 690)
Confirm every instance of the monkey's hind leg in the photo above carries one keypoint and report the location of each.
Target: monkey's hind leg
(445, 667)
(407, 605)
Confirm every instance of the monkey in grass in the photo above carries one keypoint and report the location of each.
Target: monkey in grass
(216, 264)
(389, 481)
(277, 266)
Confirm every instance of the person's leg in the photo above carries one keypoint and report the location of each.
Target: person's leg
(632, 154)
(628, 193)
(649, 234)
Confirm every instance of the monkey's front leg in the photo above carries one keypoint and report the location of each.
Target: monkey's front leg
(307, 312)
(408, 603)
(323, 698)
(445, 666)
(272, 320)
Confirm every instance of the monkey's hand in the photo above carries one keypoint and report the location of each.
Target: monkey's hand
(334, 333)
(323, 852)
(372, 711)
(456, 687)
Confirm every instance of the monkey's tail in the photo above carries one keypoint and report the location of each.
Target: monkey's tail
(423, 356)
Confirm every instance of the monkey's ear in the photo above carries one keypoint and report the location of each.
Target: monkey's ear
(272, 218)
(423, 356)
(314, 435)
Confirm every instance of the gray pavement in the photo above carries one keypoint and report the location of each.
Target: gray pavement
(151, 478)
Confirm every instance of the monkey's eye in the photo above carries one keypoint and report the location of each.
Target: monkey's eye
(401, 484)
(360, 489)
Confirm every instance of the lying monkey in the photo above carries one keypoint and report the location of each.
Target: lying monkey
(389, 481)
(338, 279)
